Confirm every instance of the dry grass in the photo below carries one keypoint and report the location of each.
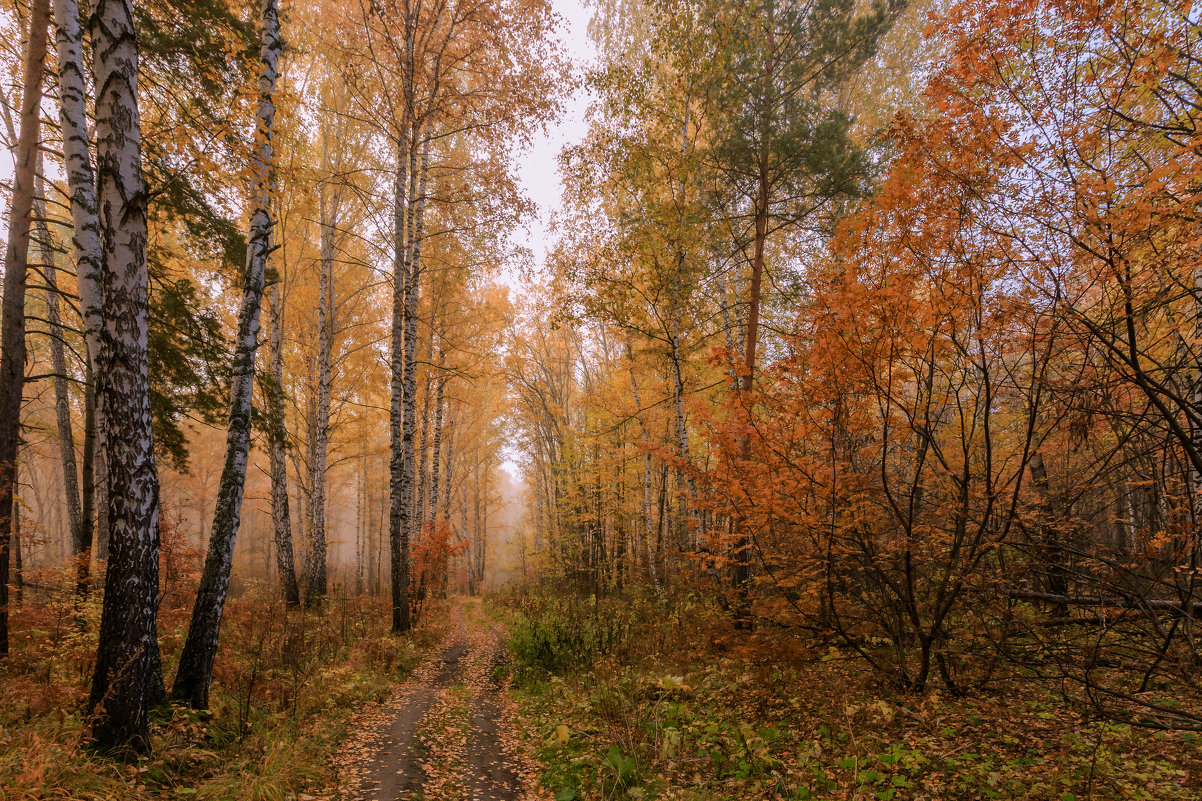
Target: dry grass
(285, 683)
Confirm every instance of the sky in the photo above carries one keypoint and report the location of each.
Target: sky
(538, 166)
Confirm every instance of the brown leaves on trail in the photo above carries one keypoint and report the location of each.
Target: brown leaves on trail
(521, 759)
(358, 761)
(442, 737)
(449, 732)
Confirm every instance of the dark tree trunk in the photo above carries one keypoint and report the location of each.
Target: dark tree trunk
(16, 264)
(18, 565)
(742, 543)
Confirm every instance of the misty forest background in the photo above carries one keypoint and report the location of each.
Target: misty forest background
(846, 442)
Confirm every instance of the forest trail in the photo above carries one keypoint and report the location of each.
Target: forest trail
(447, 732)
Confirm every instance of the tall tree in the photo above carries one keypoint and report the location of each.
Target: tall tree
(195, 672)
(329, 213)
(127, 659)
(80, 542)
(277, 439)
(782, 149)
(16, 265)
(86, 252)
(405, 499)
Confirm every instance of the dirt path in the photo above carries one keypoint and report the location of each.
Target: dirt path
(447, 732)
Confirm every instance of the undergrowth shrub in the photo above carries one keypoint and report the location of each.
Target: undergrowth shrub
(285, 683)
(564, 635)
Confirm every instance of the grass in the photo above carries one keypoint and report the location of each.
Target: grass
(684, 707)
(285, 685)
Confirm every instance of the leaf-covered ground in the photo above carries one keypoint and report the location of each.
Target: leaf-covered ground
(561, 701)
(687, 709)
(285, 685)
(448, 732)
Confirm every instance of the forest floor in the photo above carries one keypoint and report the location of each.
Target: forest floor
(538, 696)
(286, 686)
(449, 731)
(634, 698)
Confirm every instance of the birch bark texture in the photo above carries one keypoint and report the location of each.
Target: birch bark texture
(436, 447)
(16, 266)
(86, 252)
(398, 542)
(403, 513)
(127, 660)
(62, 394)
(195, 672)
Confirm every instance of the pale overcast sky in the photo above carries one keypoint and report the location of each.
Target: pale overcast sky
(538, 168)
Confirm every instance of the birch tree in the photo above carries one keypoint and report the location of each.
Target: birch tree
(195, 672)
(86, 253)
(277, 439)
(330, 206)
(127, 659)
(62, 396)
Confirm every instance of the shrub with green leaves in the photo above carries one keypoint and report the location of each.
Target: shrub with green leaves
(562, 637)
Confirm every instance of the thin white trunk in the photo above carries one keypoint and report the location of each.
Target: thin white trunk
(329, 214)
(281, 516)
(397, 533)
(686, 485)
(62, 394)
(195, 672)
(437, 445)
(423, 452)
(644, 444)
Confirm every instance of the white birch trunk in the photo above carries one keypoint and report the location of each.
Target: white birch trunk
(86, 251)
(281, 516)
(195, 672)
(408, 510)
(437, 445)
(127, 678)
(62, 394)
(328, 214)
(644, 443)
(397, 534)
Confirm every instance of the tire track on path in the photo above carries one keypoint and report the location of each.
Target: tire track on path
(448, 732)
